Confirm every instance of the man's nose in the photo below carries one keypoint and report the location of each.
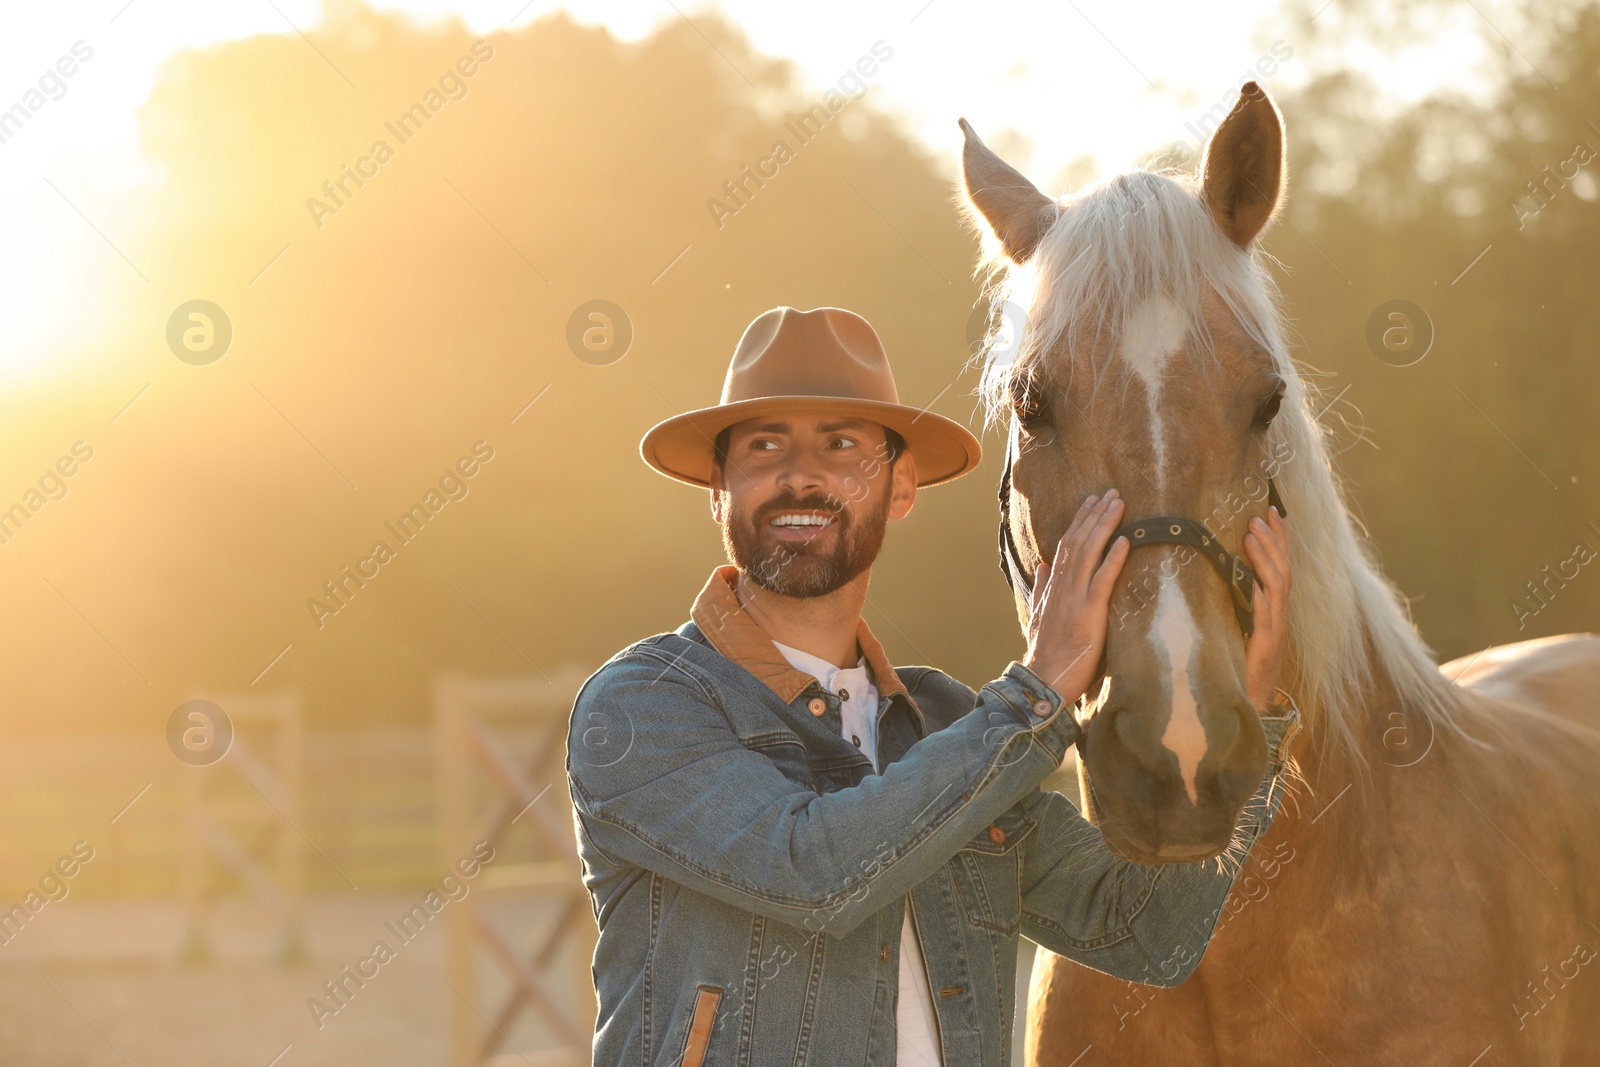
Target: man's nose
(803, 472)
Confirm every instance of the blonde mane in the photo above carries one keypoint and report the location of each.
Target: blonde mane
(1146, 234)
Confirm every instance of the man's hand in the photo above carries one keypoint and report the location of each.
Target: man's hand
(1072, 597)
(1267, 546)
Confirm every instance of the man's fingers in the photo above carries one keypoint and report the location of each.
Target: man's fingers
(1105, 576)
(1081, 547)
(1274, 541)
(1064, 546)
(1094, 545)
(1085, 525)
(1269, 557)
(1262, 561)
(1272, 546)
(1085, 515)
(1270, 579)
(1269, 615)
(1266, 609)
(1267, 545)
(1083, 509)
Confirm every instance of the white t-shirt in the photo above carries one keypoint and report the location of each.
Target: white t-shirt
(918, 1030)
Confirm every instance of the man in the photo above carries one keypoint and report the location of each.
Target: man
(798, 854)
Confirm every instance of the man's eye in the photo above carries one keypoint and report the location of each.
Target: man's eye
(843, 441)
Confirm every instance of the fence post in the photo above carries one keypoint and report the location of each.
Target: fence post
(529, 824)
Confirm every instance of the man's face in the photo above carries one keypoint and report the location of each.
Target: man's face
(804, 500)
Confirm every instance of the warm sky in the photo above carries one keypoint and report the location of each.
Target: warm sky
(1082, 78)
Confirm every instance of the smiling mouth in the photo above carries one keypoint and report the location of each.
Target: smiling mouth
(800, 525)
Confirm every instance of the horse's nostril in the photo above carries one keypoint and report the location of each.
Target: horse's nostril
(1241, 771)
(1124, 728)
(1233, 782)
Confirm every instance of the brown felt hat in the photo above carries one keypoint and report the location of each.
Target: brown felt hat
(826, 360)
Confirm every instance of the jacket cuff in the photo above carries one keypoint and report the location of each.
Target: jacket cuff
(1282, 724)
(1039, 708)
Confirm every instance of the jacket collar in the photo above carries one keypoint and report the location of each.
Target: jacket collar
(732, 632)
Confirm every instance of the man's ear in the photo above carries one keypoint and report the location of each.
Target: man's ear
(717, 496)
(903, 490)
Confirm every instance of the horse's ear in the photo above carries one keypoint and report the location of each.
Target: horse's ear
(1244, 167)
(1018, 213)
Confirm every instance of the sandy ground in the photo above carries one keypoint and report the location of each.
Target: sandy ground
(97, 984)
(94, 981)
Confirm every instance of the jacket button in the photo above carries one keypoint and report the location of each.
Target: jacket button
(997, 835)
(818, 705)
(1041, 708)
(885, 951)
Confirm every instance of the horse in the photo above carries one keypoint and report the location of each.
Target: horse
(1429, 891)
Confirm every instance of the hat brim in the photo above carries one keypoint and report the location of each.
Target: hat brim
(681, 447)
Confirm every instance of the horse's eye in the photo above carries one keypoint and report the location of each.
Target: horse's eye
(1269, 409)
(1028, 406)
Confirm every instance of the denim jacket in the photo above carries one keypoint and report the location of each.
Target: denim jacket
(749, 872)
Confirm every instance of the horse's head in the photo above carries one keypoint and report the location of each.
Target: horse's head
(1149, 359)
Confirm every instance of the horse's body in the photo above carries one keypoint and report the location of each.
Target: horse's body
(1443, 913)
(1429, 892)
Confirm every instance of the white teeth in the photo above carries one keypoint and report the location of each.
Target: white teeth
(801, 520)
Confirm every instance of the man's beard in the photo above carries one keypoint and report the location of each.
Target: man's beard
(799, 568)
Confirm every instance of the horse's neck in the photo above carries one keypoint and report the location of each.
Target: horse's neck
(1342, 802)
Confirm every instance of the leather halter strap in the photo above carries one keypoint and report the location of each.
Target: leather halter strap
(1154, 530)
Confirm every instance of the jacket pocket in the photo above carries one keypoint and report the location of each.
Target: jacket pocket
(988, 874)
(705, 1014)
(787, 754)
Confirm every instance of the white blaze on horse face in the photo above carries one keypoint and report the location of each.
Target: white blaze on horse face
(1154, 331)
(1174, 633)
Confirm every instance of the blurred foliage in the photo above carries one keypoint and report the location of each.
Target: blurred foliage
(432, 308)
(1478, 467)
(424, 316)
